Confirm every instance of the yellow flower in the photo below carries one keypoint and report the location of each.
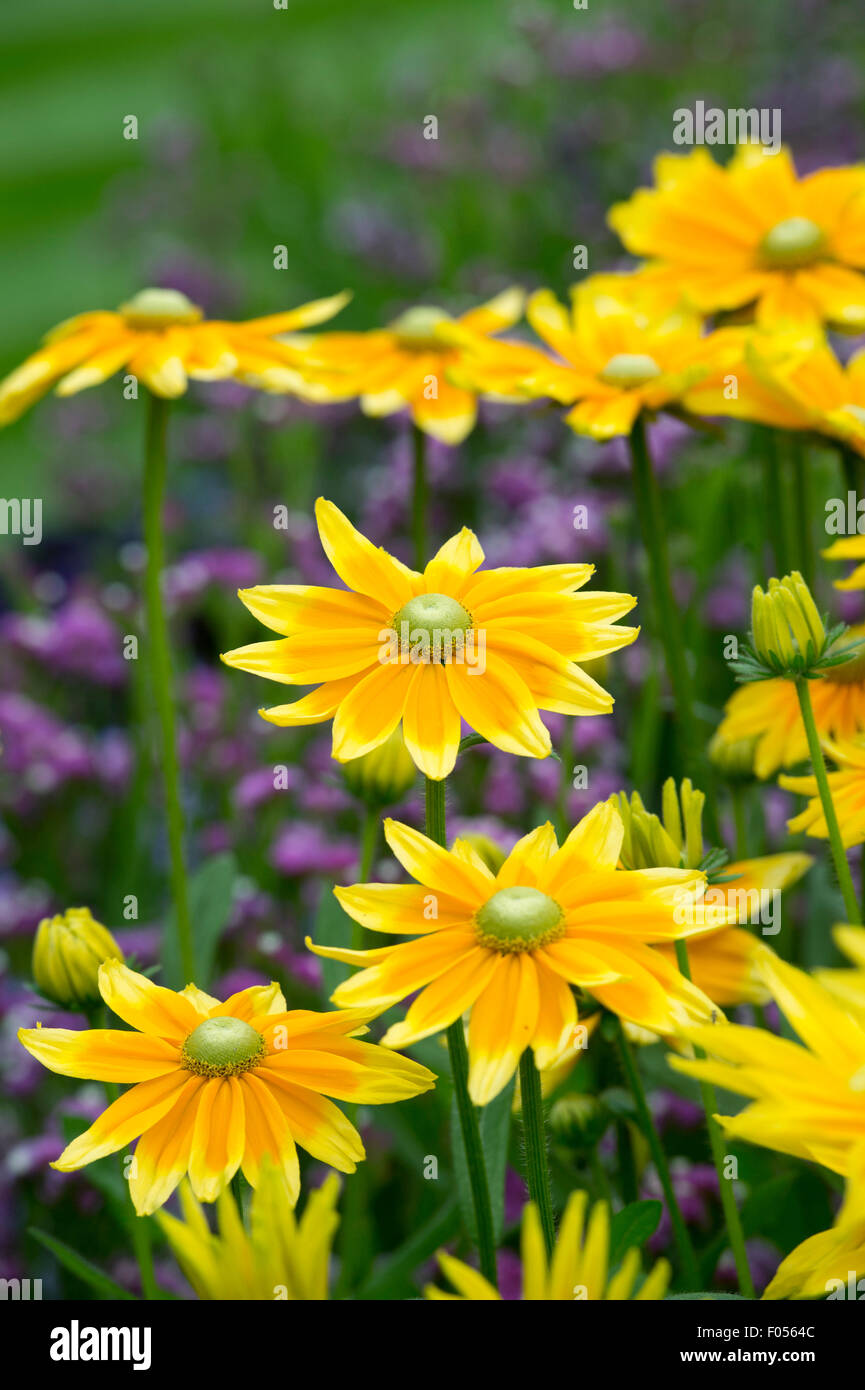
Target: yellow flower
(847, 785)
(847, 985)
(808, 1100)
(280, 1258)
(221, 1086)
(725, 963)
(623, 349)
(769, 711)
(67, 953)
(753, 233)
(491, 647)
(508, 946)
(823, 1263)
(579, 1268)
(407, 365)
(848, 548)
(161, 338)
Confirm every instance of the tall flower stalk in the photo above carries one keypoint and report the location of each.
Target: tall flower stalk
(836, 844)
(534, 1132)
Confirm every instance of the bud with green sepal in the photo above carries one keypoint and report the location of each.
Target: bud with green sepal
(789, 638)
(67, 952)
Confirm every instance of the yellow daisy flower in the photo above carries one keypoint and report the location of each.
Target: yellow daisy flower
(725, 963)
(848, 548)
(508, 946)
(808, 1100)
(822, 1265)
(578, 1270)
(753, 233)
(407, 365)
(279, 1258)
(769, 711)
(847, 785)
(220, 1086)
(624, 350)
(492, 647)
(161, 338)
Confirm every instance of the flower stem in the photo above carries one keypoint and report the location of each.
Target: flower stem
(681, 1234)
(839, 855)
(537, 1171)
(774, 500)
(160, 668)
(716, 1142)
(436, 829)
(419, 498)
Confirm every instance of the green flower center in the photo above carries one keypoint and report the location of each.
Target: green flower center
(159, 309)
(796, 241)
(222, 1046)
(630, 369)
(416, 327)
(432, 627)
(519, 919)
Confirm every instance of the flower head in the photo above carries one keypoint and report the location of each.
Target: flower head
(221, 1086)
(753, 233)
(67, 953)
(579, 1268)
(509, 946)
(492, 647)
(162, 339)
(280, 1256)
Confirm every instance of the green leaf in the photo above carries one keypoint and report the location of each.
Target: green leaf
(633, 1225)
(82, 1268)
(495, 1124)
(210, 903)
(393, 1277)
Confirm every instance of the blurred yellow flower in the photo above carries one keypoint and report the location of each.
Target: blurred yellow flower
(847, 785)
(508, 946)
(221, 1086)
(162, 339)
(407, 365)
(849, 548)
(280, 1258)
(848, 985)
(492, 647)
(753, 233)
(67, 952)
(822, 1265)
(578, 1270)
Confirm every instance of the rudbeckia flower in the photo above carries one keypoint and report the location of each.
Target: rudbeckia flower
(806, 1100)
(753, 233)
(508, 946)
(822, 1265)
(769, 711)
(406, 366)
(725, 963)
(847, 785)
(492, 647)
(578, 1270)
(161, 338)
(623, 349)
(279, 1258)
(220, 1086)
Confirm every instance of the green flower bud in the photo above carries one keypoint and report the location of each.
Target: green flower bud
(67, 953)
(492, 855)
(579, 1121)
(788, 631)
(674, 840)
(383, 776)
(734, 759)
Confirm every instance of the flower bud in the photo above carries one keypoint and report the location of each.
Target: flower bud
(67, 953)
(787, 630)
(734, 758)
(491, 853)
(579, 1121)
(384, 775)
(674, 840)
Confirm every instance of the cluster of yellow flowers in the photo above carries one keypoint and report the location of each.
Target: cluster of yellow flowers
(746, 268)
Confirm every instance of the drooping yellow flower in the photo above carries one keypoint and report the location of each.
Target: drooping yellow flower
(279, 1258)
(163, 340)
(808, 1100)
(847, 785)
(830, 1264)
(769, 711)
(623, 350)
(67, 952)
(220, 1086)
(578, 1270)
(848, 985)
(725, 963)
(753, 233)
(407, 365)
(508, 946)
(492, 647)
(849, 548)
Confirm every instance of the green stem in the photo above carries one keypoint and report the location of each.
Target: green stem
(804, 511)
(537, 1170)
(160, 667)
(839, 855)
(565, 779)
(419, 498)
(436, 829)
(716, 1142)
(737, 799)
(681, 1234)
(773, 508)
